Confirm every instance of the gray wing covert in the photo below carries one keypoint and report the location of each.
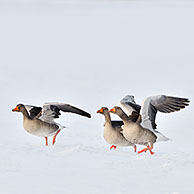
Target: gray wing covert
(51, 111)
(129, 105)
(161, 103)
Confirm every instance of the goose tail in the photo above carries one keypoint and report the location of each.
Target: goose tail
(161, 137)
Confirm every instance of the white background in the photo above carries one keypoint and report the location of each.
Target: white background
(91, 54)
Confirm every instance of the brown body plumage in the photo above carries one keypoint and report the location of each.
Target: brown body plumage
(113, 131)
(40, 121)
(134, 132)
(36, 126)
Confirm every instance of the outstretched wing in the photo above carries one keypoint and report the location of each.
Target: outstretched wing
(129, 105)
(52, 110)
(161, 103)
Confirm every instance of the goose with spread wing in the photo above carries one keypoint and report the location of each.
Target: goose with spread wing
(39, 121)
(150, 107)
(134, 132)
(113, 131)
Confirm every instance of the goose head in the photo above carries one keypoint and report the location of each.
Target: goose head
(19, 108)
(102, 110)
(116, 110)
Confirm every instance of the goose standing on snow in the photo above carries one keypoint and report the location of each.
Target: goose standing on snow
(150, 107)
(134, 132)
(113, 131)
(148, 111)
(39, 121)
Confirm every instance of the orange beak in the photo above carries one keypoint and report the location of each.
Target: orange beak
(113, 110)
(100, 111)
(15, 109)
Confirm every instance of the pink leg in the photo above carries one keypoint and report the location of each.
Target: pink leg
(150, 149)
(135, 148)
(46, 138)
(54, 137)
(145, 149)
(113, 146)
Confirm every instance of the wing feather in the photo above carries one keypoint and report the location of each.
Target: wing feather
(117, 124)
(33, 111)
(52, 110)
(161, 103)
(129, 105)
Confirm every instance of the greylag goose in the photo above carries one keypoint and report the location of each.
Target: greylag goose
(113, 131)
(150, 107)
(134, 132)
(39, 121)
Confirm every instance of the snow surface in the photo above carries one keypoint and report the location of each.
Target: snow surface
(90, 54)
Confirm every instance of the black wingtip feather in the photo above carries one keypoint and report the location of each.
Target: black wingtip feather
(88, 115)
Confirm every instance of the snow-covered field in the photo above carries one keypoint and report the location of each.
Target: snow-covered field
(90, 54)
